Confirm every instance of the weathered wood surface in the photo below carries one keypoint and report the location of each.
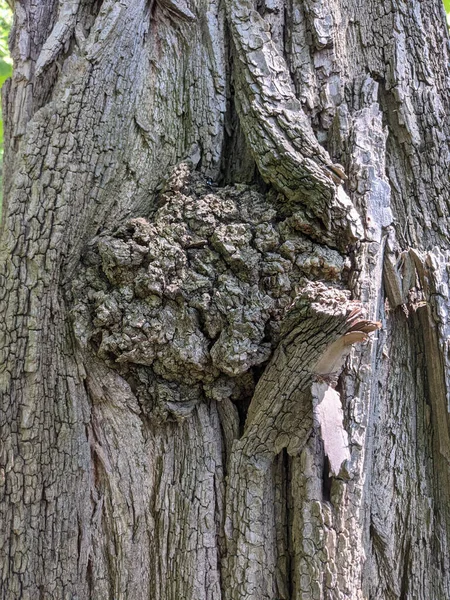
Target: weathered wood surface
(168, 342)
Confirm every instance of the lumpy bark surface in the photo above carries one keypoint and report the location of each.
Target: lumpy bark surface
(186, 304)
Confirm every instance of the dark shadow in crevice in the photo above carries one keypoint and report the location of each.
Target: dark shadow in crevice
(326, 481)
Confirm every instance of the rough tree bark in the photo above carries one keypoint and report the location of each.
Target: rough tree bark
(206, 205)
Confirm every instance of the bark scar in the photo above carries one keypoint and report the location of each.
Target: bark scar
(327, 405)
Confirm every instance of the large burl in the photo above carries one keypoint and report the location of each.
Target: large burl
(188, 304)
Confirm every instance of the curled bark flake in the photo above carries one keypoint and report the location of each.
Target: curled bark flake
(332, 360)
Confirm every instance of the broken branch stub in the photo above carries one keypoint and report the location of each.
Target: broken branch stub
(332, 360)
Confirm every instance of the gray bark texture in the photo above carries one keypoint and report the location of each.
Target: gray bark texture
(224, 300)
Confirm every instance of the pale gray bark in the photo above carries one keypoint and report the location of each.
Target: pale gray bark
(187, 410)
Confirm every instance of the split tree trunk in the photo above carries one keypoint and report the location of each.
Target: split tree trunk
(206, 205)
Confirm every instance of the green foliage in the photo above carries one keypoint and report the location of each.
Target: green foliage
(5, 26)
(5, 64)
(447, 10)
(5, 72)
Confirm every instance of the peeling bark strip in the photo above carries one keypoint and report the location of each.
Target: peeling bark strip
(174, 417)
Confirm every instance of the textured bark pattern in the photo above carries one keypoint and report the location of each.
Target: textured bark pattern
(167, 344)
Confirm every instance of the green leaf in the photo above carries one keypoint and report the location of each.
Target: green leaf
(5, 67)
(5, 26)
(5, 71)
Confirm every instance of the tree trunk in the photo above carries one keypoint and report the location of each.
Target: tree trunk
(224, 350)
